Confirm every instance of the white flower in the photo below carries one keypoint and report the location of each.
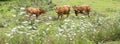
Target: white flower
(47, 29)
(21, 13)
(44, 32)
(56, 35)
(17, 20)
(7, 43)
(20, 32)
(22, 26)
(14, 15)
(83, 30)
(71, 38)
(66, 23)
(48, 23)
(12, 10)
(31, 38)
(73, 26)
(50, 17)
(81, 21)
(34, 27)
(27, 15)
(60, 34)
(29, 27)
(37, 20)
(78, 31)
(64, 26)
(65, 35)
(8, 35)
(33, 15)
(94, 30)
(13, 30)
(28, 33)
(60, 30)
(25, 22)
(90, 24)
(22, 8)
(83, 16)
(18, 26)
(66, 20)
(74, 33)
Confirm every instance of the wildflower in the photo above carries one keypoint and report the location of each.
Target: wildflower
(73, 26)
(60, 30)
(60, 34)
(83, 16)
(33, 15)
(65, 35)
(90, 24)
(56, 35)
(29, 27)
(7, 43)
(94, 30)
(66, 20)
(11, 36)
(17, 20)
(37, 20)
(22, 8)
(64, 26)
(66, 23)
(8, 35)
(20, 32)
(14, 15)
(21, 13)
(50, 17)
(28, 33)
(44, 32)
(25, 22)
(47, 29)
(13, 30)
(18, 26)
(27, 15)
(31, 38)
(71, 38)
(48, 23)
(74, 33)
(34, 27)
(83, 31)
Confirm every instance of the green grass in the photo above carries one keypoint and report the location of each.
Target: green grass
(101, 28)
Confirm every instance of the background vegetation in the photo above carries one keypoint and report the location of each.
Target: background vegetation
(103, 27)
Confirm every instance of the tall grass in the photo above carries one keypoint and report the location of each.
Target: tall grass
(15, 29)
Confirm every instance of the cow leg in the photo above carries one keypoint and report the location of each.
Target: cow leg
(88, 13)
(67, 15)
(37, 15)
(61, 16)
(76, 13)
(29, 15)
(58, 16)
(81, 12)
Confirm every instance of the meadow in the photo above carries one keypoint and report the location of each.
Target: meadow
(103, 26)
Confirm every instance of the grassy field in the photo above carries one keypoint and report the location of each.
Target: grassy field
(103, 26)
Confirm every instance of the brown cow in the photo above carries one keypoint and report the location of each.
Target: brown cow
(60, 10)
(37, 11)
(81, 9)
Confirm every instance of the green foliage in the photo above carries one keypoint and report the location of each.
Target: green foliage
(102, 26)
